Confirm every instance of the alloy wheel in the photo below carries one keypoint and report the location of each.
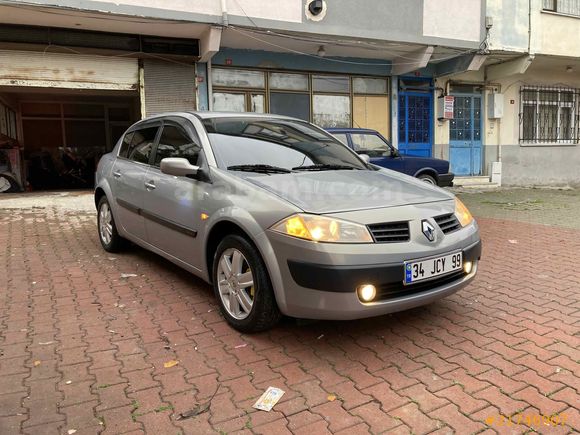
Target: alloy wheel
(235, 283)
(105, 223)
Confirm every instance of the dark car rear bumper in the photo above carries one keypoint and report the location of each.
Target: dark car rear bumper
(446, 180)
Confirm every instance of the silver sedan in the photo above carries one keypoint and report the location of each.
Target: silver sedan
(282, 219)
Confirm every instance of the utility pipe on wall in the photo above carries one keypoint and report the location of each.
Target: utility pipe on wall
(225, 20)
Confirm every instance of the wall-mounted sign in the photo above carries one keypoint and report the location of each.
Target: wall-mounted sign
(445, 109)
(448, 103)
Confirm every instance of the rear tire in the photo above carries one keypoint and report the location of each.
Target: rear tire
(242, 286)
(108, 235)
(427, 179)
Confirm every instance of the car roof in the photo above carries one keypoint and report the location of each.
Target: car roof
(350, 130)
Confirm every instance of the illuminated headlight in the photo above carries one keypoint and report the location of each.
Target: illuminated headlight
(366, 292)
(462, 213)
(323, 229)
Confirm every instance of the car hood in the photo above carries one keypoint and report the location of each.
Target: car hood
(348, 190)
(428, 161)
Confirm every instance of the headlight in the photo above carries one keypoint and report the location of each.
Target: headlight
(323, 229)
(462, 213)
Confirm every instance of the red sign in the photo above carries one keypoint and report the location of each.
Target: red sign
(448, 103)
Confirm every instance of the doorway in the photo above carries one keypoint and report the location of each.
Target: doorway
(416, 116)
(465, 135)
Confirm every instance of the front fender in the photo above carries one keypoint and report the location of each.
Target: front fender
(258, 236)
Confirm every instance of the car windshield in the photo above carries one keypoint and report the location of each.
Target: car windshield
(370, 144)
(274, 145)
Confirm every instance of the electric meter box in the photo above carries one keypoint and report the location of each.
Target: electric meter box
(495, 106)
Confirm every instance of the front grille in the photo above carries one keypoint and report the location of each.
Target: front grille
(398, 289)
(448, 223)
(390, 232)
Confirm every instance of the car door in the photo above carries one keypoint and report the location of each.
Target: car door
(172, 204)
(378, 149)
(128, 177)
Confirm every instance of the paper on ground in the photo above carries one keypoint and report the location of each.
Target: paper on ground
(270, 397)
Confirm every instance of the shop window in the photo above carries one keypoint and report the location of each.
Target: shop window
(89, 111)
(76, 134)
(331, 110)
(142, 144)
(334, 84)
(174, 142)
(289, 82)
(41, 110)
(257, 103)
(3, 120)
(365, 85)
(547, 115)
(229, 102)
(290, 104)
(238, 78)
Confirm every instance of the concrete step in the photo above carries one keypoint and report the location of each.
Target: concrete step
(479, 182)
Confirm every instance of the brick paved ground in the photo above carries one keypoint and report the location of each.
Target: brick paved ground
(82, 349)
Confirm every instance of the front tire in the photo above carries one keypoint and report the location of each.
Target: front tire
(108, 235)
(242, 286)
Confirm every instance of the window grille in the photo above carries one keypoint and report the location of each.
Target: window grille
(569, 7)
(549, 115)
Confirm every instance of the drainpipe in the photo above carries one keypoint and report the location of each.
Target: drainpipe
(529, 26)
(225, 21)
(209, 86)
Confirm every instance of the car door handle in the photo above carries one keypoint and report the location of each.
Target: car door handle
(150, 185)
(117, 174)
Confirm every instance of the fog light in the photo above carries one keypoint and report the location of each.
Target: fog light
(367, 292)
(467, 266)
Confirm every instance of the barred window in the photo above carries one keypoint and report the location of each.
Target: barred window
(570, 7)
(549, 115)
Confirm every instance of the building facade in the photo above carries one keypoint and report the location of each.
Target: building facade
(455, 79)
(517, 118)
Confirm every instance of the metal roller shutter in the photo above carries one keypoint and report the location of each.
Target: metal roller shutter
(169, 87)
(67, 71)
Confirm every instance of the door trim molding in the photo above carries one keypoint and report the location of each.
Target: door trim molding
(157, 219)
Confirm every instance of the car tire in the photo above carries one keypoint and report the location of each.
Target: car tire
(8, 184)
(246, 308)
(107, 229)
(426, 178)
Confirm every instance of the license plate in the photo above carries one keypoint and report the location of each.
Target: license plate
(432, 267)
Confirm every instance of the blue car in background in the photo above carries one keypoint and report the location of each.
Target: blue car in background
(382, 153)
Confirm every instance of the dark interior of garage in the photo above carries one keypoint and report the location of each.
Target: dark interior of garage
(63, 134)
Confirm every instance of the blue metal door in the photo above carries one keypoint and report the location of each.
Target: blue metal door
(415, 123)
(465, 135)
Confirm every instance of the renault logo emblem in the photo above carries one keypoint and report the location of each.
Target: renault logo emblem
(428, 230)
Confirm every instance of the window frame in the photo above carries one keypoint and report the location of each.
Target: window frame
(184, 125)
(572, 105)
(141, 126)
(310, 92)
(556, 10)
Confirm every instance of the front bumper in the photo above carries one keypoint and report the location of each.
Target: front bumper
(319, 281)
(445, 180)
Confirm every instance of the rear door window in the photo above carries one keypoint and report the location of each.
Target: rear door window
(142, 144)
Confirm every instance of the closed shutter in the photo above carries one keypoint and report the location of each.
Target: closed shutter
(68, 71)
(169, 87)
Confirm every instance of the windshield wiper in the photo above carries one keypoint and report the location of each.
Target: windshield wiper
(262, 169)
(321, 167)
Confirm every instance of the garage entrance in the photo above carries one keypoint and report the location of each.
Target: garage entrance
(70, 109)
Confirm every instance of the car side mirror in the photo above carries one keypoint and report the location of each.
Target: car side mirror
(178, 166)
(365, 158)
